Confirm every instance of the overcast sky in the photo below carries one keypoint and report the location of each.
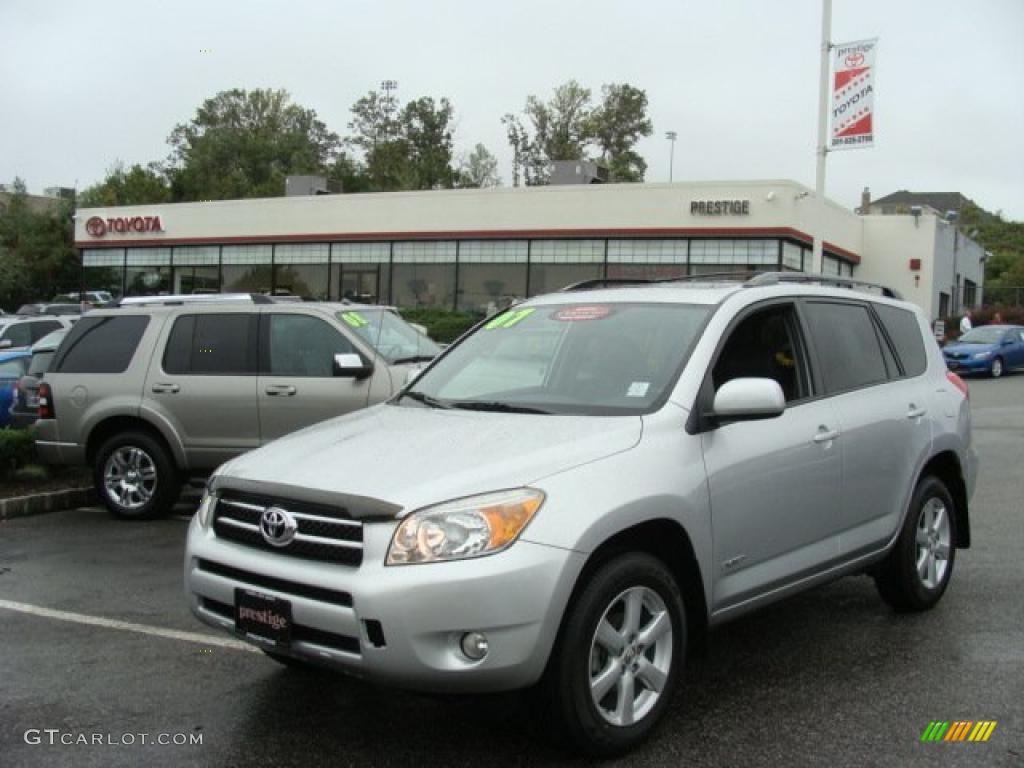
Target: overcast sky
(85, 84)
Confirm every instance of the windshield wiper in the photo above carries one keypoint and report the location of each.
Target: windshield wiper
(494, 405)
(413, 359)
(427, 400)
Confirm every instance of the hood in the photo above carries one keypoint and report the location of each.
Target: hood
(392, 459)
(966, 350)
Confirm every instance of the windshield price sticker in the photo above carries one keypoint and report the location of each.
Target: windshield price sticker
(588, 312)
(508, 319)
(354, 319)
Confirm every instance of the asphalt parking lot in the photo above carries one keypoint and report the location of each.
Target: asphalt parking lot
(96, 638)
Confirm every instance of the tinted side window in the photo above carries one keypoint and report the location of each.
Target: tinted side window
(212, 344)
(304, 346)
(848, 347)
(20, 334)
(765, 344)
(903, 330)
(42, 328)
(101, 344)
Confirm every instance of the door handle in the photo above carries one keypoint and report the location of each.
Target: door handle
(915, 412)
(826, 435)
(165, 388)
(280, 390)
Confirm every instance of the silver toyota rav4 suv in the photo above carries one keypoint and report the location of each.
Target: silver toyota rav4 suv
(575, 491)
(159, 388)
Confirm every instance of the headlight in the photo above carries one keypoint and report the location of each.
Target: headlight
(206, 507)
(470, 527)
(980, 355)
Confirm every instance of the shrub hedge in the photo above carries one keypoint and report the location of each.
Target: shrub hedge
(17, 448)
(443, 325)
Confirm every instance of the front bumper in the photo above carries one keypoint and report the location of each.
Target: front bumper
(969, 365)
(401, 624)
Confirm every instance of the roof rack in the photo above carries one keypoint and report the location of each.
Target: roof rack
(774, 278)
(196, 298)
(606, 282)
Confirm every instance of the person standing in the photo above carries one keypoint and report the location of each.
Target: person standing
(965, 323)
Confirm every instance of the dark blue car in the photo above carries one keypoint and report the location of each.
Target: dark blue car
(991, 349)
(12, 367)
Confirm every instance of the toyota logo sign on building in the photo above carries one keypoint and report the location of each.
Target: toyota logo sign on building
(98, 227)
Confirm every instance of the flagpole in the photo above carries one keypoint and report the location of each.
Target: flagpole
(817, 259)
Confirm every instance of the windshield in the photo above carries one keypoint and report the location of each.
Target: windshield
(983, 335)
(12, 368)
(393, 338)
(604, 359)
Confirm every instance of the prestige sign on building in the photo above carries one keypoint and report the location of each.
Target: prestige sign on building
(853, 94)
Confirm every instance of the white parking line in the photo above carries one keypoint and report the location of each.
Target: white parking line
(126, 626)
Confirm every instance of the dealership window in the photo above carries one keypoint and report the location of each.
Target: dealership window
(302, 269)
(970, 294)
(646, 259)
(423, 273)
(195, 269)
(147, 271)
(792, 257)
(103, 270)
(492, 274)
(943, 305)
(361, 272)
(555, 264)
(831, 266)
(710, 256)
(246, 269)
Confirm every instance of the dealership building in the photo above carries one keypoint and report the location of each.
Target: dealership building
(480, 248)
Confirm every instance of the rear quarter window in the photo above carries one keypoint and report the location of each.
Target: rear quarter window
(903, 330)
(101, 344)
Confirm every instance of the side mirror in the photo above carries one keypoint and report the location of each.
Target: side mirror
(749, 400)
(352, 366)
(6, 344)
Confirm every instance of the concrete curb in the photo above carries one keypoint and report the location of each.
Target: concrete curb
(41, 503)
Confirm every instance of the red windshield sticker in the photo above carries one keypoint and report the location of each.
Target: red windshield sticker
(592, 312)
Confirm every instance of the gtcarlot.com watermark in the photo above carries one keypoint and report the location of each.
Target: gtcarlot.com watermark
(56, 737)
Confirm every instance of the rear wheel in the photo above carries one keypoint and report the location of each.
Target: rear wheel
(619, 656)
(996, 369)
(135, 477)
(916, 572)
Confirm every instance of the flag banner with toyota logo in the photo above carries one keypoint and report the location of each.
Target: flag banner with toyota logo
(853, 94)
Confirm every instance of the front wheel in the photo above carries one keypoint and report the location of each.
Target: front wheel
(619, 656)
(996, 369)
(916, 572)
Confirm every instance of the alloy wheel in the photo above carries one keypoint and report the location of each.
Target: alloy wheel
(630, 656)
(933, 543)
(130, 477)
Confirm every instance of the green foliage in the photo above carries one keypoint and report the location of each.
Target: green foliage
(17, 448)
(244, 143)
(568, 127)
(1004, 239)
(135, 186)
(442, 325)
(37, 260)
(479, 169)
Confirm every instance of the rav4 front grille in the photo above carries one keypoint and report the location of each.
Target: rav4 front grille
(322, 532)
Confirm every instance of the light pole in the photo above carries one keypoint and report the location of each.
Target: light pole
(671, 136)
(389, 87)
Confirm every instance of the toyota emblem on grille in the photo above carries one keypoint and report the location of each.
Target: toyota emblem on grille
(278, 526)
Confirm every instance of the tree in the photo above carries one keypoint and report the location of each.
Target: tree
(427, 131)
(616, 126)
(37, 260)
(244, 143)
(567, 127)
(135, 186)
(479, 169)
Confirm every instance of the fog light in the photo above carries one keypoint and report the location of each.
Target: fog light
(474, 645)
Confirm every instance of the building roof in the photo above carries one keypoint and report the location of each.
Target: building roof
(940, 201)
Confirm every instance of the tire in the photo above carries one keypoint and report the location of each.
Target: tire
(997, 368)
(598, 724)
(928, 537)
(135, 477)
